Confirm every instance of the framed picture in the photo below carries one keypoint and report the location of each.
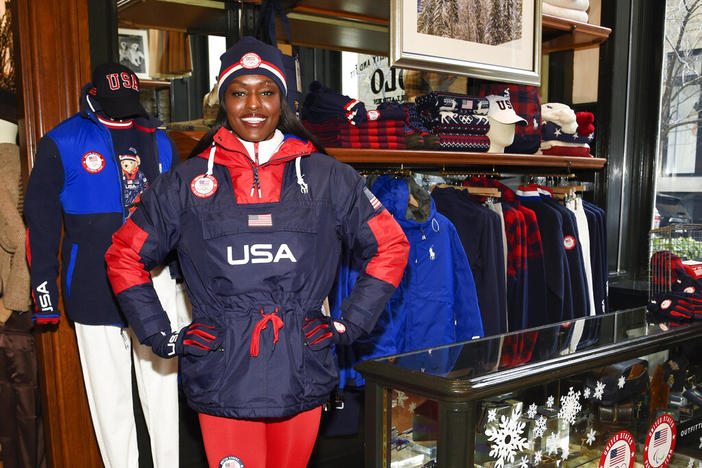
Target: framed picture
(134, 50)
(498, 40)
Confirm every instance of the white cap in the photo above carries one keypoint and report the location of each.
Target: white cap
(502, 111)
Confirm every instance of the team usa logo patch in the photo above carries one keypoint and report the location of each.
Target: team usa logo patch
(373, 114)
(689, 290)
(619, 452)
(231, 462)
(569, 242)
(660, 442)
(204, 186)
(666, 303)
(251, 60)
(93, 162)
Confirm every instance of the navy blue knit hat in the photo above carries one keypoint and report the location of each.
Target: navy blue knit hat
(250, 56)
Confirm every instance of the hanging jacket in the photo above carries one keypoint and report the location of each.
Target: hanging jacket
(436, 302)
(76, 184)
(259, 247)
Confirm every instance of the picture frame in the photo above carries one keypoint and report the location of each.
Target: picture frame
(133, 45)
(497, 40)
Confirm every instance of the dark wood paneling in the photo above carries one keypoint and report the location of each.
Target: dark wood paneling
(53, 62)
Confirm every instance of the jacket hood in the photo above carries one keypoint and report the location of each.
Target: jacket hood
(233, 153)
(89, 107)
(394, 193)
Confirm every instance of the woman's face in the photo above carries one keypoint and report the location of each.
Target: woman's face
(252, 104)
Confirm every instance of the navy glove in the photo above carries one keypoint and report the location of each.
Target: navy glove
(324, 331)
(196, 339)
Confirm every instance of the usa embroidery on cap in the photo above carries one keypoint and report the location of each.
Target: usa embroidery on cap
(569, 242)
(261, 220)
(375, 203)
(204, 186)
(251, 60)
(93, 162)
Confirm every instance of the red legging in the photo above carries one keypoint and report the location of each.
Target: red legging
(265, 443)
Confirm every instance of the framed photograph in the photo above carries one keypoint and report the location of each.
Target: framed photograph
(134, 50)
(498, 40)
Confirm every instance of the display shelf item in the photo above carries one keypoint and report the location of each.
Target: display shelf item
(607, 400)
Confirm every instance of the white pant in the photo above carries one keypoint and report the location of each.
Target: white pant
(106, 359)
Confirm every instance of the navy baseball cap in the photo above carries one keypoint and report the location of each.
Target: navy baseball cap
(117, 89)
(250, 56)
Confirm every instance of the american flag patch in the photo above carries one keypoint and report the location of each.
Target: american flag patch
(660, 437)
(260, 220)
(616, 455)
(467, 104)
(375, 203)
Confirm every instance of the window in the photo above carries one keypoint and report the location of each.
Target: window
(679, 175)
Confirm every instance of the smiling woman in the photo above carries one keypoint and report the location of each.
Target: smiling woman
(258, 217)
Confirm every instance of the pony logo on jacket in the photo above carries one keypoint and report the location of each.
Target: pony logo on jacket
(261, 253)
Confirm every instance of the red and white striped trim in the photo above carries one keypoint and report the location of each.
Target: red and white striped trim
(265, 65)
(115, 124)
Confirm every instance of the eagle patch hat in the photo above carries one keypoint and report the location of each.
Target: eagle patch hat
(501, 110)
(116, 89)
(250, 56)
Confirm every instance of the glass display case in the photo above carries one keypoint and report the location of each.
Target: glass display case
(608, 391)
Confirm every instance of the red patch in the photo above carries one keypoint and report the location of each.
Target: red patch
(93, 162)
(203, 186)
(569, 242)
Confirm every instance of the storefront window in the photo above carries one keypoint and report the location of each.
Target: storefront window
(679, 177)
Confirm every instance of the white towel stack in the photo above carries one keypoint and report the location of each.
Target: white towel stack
(569, 9)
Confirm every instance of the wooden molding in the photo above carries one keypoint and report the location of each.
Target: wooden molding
(53, 62)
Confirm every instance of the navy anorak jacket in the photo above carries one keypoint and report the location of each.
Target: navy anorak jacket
(259, 249)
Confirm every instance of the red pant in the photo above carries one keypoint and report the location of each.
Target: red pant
(263, 443)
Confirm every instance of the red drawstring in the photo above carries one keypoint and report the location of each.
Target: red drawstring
(262, 325)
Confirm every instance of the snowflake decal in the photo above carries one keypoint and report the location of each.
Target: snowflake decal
(552, 444)
(550, 401)
(524, 462)
(599, 390)
(540, 427)
(537, 457)
(591, 436)
(506, 440)
(401, 398)
(621, 381)
(586, 392)
(570, 406)
(412, 407)
(531, 412)
(492, 415)
(566, 450)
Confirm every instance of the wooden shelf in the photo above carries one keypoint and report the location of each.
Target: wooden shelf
(186, 141)
(154, 84)
(563, 34)
(461, 158)
(350, 25)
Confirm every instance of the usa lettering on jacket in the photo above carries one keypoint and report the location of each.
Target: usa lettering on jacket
(260, 253)
(44, 298)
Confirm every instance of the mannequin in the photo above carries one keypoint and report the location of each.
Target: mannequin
(500, 134)
(100, 175)
(502, 122)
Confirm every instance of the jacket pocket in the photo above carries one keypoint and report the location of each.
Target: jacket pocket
(202, 374)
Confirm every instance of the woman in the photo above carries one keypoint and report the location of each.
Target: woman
(258, 218)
